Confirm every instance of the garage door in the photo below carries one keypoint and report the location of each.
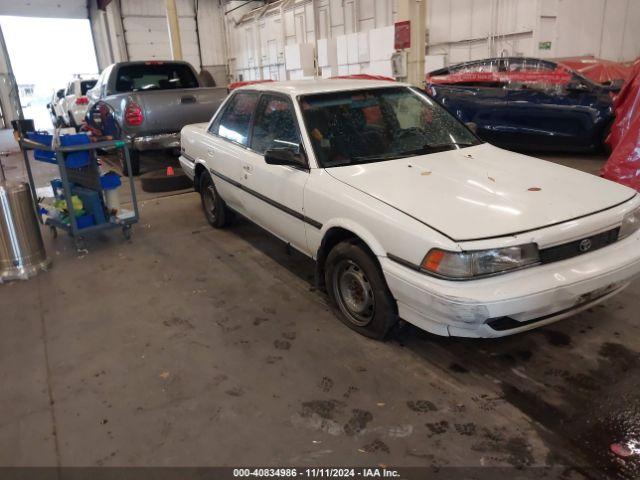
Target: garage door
(146, 31)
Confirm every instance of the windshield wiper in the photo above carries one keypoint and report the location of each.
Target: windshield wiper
(426, 148)
(448, 144)
(379, 158)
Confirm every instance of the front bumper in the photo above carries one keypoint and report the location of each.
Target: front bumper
(156, 142)
(513, 302)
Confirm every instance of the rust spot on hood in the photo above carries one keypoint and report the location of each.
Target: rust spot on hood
(534, 189)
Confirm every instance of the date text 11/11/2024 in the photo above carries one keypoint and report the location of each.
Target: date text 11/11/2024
(324, 472)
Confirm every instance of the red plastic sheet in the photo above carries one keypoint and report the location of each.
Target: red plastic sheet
(623, 165)
(234, 85)
(597, 69)
(364, 76)
(558, 76)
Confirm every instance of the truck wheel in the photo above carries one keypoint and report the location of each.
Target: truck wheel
(356, 286)
(134, 158)
(72, 122)
(214, 208)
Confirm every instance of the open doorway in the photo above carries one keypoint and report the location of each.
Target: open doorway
(46, 54)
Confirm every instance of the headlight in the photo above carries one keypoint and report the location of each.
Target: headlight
(478, 263)
(630, 224)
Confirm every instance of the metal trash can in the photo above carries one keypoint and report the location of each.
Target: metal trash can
(22, 253)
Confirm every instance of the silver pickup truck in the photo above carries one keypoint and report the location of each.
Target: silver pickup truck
(148, 102)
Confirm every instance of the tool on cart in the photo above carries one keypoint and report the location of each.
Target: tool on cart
(84, 200)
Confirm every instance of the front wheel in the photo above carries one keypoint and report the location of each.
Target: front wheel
(357, 287)
(214, 208)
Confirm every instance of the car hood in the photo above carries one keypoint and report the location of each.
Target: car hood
(483, 191)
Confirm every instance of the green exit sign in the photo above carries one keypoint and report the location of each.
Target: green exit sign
(544, 45)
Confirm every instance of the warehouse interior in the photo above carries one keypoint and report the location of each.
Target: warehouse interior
(136, 341)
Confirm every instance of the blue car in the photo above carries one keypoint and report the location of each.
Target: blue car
(526, 103)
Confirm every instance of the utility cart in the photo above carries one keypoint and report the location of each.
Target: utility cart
(80, 183)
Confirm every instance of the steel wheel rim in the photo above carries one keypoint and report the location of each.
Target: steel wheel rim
(209, 200)
(354, 293)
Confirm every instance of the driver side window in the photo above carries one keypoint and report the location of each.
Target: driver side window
(275, 125)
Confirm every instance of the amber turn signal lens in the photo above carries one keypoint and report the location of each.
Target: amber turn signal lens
(432, 261)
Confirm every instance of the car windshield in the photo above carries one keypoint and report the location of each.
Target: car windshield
(155, 76)
(365, 126)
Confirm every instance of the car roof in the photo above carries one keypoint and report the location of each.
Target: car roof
(304, 87)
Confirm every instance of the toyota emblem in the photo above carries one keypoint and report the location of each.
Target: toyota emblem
(584, 245)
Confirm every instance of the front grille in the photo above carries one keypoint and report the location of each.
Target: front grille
(579, 247)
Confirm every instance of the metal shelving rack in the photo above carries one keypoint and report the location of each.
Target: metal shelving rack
(87, 177)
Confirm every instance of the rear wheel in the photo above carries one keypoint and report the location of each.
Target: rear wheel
(134, 158)
(357, 287)
(215, 210)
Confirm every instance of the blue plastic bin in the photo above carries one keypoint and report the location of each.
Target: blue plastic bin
(45, 139)
(84, 221)
(110, 180)
(73, 160)
(76, 159)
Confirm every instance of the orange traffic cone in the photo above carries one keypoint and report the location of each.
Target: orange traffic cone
(170, 172)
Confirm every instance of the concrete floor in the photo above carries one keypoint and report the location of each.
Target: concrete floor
(189, 346)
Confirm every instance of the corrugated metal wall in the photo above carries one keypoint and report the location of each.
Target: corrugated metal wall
(458, 30)
(472, 29)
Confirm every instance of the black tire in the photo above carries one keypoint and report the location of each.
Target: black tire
(72, 122)
(215, 210)
(134, 158)
(358, 290)
(604, 148)
(159, 181)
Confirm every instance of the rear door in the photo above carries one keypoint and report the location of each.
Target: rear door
(226, 147)
(481, 103)
(543, 112)
(474, 92)
(275, 198)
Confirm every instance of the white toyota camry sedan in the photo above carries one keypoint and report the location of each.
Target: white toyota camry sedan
(407, 213)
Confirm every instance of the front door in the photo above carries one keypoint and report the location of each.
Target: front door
(276, 191)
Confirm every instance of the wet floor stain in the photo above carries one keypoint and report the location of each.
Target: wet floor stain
(357, 422)
(438, 428)
(376, 446)
(468, 429)
(555, 338)
(282, 344)
(457, 368)
(324, 408)
(421, 406)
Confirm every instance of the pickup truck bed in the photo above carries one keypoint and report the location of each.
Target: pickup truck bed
(149, 102)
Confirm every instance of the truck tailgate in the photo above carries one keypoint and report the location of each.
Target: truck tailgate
(168, 111)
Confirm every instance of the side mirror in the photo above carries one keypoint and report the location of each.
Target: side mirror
(615, 86)
(473, 126)
(285, 156)
(577, 87)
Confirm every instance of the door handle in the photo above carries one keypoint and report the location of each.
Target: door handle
(247, 168)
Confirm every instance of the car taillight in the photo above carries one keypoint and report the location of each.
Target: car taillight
(133, 114)
(82, 101)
